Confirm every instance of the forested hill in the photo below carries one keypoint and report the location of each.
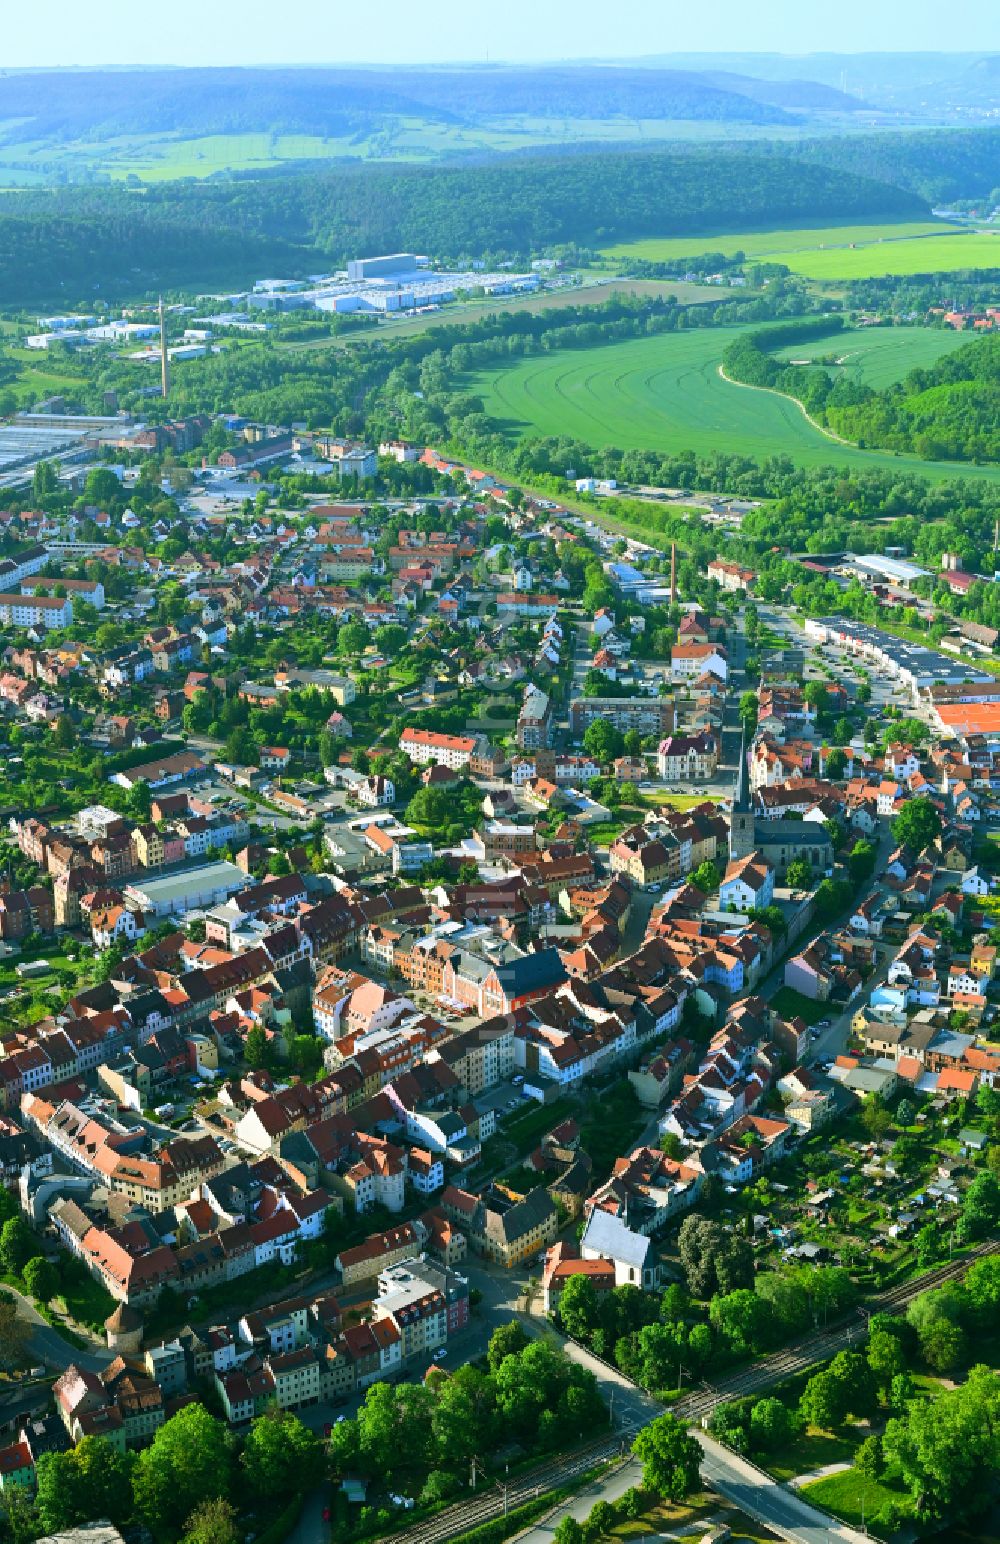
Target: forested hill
(937, 164)
(948, 412)
(67, 243)
(68, 105)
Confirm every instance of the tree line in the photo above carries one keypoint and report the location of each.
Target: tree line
(67, 242)
(949, 411)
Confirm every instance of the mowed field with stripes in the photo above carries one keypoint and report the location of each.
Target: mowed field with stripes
(667, 393)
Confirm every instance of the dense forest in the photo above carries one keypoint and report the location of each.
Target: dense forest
(947, 412)
(67, 244)
(936, 164)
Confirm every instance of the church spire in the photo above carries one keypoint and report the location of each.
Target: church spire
(742, 800)
(742, 824)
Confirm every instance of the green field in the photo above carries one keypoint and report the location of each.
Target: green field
(924, 254)
(801, 238)
(878, 356)
(829, 252)
(163, 156)
(666, 393)
(465, 311)
(156, 161)
(853, 1498)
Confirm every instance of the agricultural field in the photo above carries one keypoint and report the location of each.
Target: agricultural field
(463, 312)
(764, 244)
(878, 356)
(162, 157)
(162, 160)
(832, 252)
(923, 254)
(666, 393)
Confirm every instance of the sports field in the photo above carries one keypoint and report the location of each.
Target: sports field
(666, 393)
(878, 356)
(839, 252)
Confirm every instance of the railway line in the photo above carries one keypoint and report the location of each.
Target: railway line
(497, 1498)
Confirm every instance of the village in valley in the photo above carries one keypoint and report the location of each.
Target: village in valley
(499, 976)
(430, 911)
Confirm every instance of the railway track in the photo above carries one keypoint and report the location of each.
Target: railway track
(819, 1346)
(495, 1499)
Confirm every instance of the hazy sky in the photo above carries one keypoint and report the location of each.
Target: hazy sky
(66, 32)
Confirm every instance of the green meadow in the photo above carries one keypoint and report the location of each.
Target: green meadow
(878, 356)
(667, 393)
(837, 252)
(764, 244)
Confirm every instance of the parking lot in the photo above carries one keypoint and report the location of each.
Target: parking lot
(503, 1099)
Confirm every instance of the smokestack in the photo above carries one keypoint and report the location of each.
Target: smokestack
(164, 359)
(673, 573)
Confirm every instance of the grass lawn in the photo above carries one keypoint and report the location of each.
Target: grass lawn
(610, 1126)
(803, 238)
(790, 1003)
(526, 1125)
(678, 801)
(523, 1179)
(666, 393)
(668, 1517)
(812, 1449)
(844, 1495)
(87, 1302)
(605, 832)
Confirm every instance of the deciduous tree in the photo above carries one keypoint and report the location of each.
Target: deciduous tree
(213, 1522)
(281, 1455)
(189, 1461)
(714, 1258)
(41, 1279)
(670, 1457)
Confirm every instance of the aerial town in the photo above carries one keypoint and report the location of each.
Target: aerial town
(499, 776)
(447, 900)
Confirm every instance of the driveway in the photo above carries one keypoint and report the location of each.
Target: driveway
(310, 1528)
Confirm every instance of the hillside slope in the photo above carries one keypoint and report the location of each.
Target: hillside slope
(71, 241)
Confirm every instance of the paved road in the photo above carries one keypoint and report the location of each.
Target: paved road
(608, 1488)
(48, 1346)
(763, 1499)
(310, 1528)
